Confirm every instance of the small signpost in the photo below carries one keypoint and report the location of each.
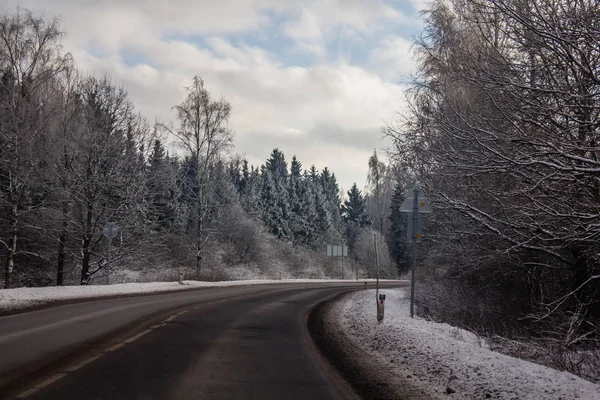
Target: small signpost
(110, 230)
(416, 204)
(334, 250)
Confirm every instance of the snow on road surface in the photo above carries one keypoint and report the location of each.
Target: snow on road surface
(19, 299)
(447, 362)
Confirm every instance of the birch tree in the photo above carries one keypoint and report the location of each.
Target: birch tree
(203, 134)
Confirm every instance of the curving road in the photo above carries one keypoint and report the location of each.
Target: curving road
(246, 342)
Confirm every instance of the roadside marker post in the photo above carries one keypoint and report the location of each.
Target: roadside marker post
(415, 205)
(379, 298)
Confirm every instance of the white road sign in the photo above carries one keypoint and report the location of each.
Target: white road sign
(408, 204)
(409, 228)
(110, 230)
(337, 251)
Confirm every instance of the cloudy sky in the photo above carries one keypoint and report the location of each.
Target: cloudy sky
(313, 78)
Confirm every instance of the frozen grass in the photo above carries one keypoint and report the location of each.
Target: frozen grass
(447, 362)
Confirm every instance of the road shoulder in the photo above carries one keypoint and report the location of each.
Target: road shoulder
(368, 375)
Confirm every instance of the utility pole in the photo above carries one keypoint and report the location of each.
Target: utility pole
(414, 216)
(377, 262)
(108, 262)
(417, 204)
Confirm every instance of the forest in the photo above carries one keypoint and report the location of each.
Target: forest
(75, 154)
(500, 129)
(502, 132)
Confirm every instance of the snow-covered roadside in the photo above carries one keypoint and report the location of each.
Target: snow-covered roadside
(15, 300)
(447, 362)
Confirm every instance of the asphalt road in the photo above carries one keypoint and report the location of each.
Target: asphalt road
(245, 342)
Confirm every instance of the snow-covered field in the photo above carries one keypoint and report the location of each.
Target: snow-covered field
(15, 300)
(447, 362)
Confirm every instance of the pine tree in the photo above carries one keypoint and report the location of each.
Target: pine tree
(297, 215)
(313, 173)
(251, 194)
(307, 232)
(277, 165)
(160, 187)
(354, 209)
(330, 190)
(273, 205)
(397, 242)
(296, 169)
(323, 219)
(354, 215)
(235, 174)
(245, 177)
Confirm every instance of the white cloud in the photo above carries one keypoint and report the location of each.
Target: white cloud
(419, 5)
(328, 114)
(316, 20)
(393, 59)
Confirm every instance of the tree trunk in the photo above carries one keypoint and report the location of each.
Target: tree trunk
(12, 250)
(85, 246)
(10, 262)
(62, 239)
(199, 241)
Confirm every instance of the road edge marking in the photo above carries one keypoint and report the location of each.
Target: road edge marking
(50, 381)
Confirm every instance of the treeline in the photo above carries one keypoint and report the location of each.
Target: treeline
(503, 133)
(76, 154)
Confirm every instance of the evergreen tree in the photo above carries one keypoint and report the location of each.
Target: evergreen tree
(354, 209)
(235, 174)
(330, 190)
(323, 219)
(273, 205)
(251, 194)
(313, 173)
(277, 165)
(245, 176)
(297, 212)
(296, 169)
(161, 190)
(307, 232)
(397, 242)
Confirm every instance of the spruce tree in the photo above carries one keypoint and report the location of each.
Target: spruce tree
(397, 242)
(273, 204)
(296, 169)
(354, 209)
(277, 165)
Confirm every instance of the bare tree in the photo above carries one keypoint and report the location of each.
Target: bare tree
(204, 136)
(503, 131)
(30, 58)
(108, 184)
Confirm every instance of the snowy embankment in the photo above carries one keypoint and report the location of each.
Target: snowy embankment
(21, 299)
(444, 361)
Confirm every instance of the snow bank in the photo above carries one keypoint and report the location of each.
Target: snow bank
(447, 362)
(15, 300)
